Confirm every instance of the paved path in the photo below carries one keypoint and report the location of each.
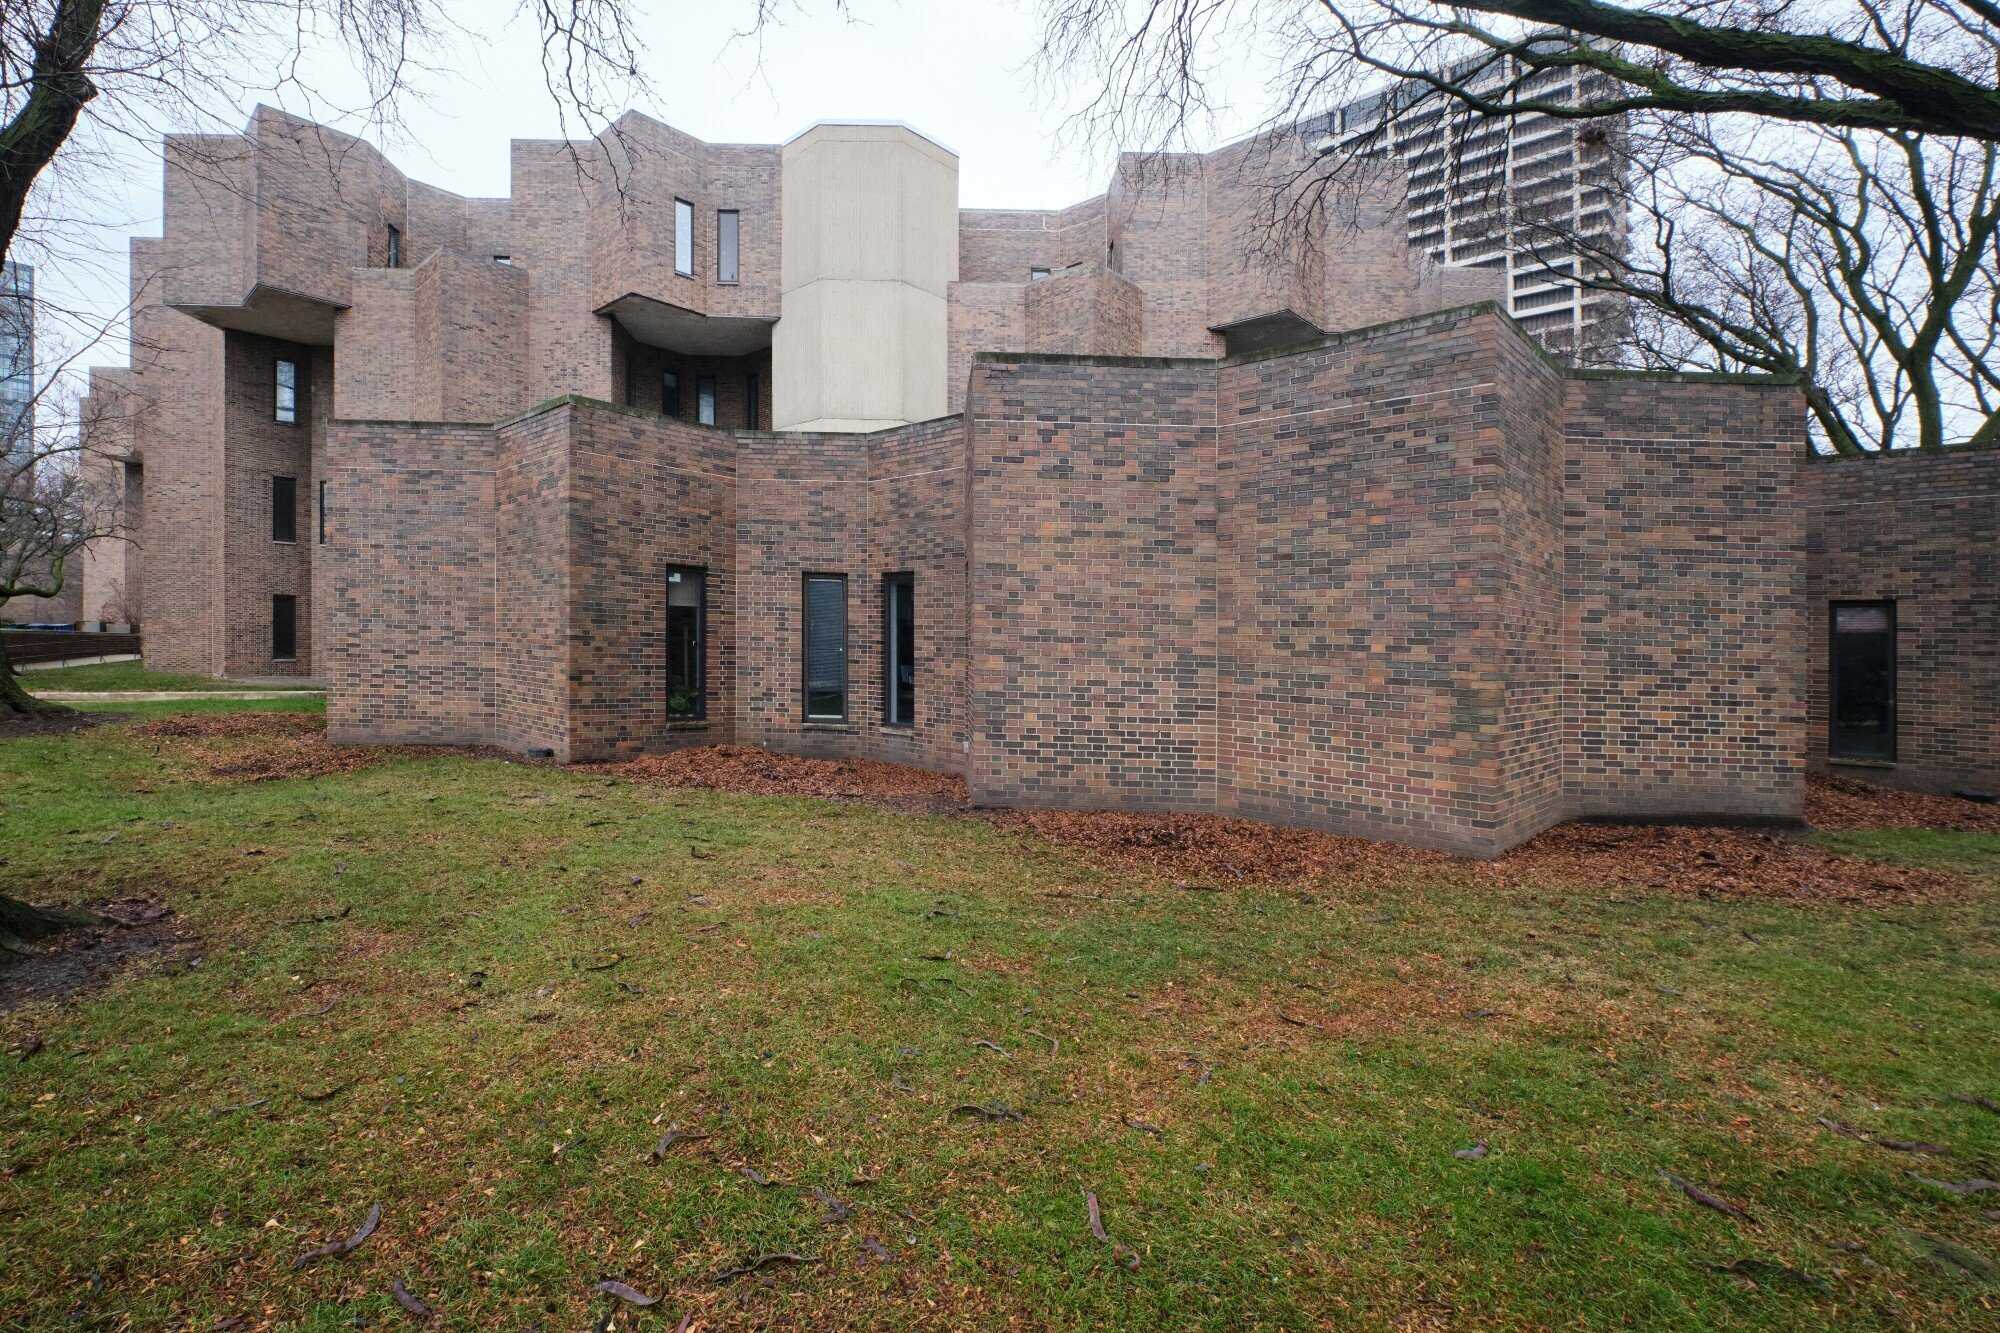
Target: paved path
(74, 661)
(166, 696)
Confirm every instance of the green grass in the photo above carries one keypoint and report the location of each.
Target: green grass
(784, 988)
(134, 676)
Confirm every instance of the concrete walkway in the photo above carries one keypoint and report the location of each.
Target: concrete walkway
(165, 696)
(75, 661)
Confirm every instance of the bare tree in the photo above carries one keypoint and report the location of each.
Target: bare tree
(1861, 263)
(1919, 66)
(1779, 220)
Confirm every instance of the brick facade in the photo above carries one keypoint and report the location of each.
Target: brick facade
(1412, 579)
(1919, 529)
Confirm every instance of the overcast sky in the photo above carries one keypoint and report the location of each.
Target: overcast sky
(958, 71)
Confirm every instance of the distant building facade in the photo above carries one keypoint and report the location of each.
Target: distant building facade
(1479, 186)
(17, 362)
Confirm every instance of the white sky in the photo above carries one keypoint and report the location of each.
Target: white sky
(958, 70)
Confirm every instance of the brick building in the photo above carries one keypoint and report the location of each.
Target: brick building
(1103, 506)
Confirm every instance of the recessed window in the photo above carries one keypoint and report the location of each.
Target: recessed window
(899, 649)
(1862, 681)
(684, 238)
(752, 399)
(1037, 274)
(395, 247)
(825, 634)
(288, 392)
(284, 627)
(507, 260)
(670, 393)
(704, 399)
(284, 509)
(687, 613)
(631, 384)
(728, 244)
(322, 513)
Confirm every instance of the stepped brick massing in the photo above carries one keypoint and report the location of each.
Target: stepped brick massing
(1171, 544)
(1921, 530)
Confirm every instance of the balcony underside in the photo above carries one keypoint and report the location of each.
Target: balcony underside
(273, 313)
(678, 329)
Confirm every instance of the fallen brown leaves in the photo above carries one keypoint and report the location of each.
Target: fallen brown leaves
(742, 768)
(264, 747)
(1842, 803)
(1211, 851)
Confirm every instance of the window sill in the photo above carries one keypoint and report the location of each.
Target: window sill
(687, 724)
(1840, 762)
(829, 724)
(280, 541)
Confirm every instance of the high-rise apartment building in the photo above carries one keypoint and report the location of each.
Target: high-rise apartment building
(17, 362)
(1504, 194)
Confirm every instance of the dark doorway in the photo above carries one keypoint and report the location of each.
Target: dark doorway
(687, 632)
(1862, 666)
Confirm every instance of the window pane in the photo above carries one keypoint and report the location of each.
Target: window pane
(1863, 685)
(395, 247)
(753, 397)
(899, 656)
(704, 389)
(683, 237)
(284, 509)
(288, 392)
(686, 683)
(727, 228)
(284, 626)
(670, 393)
(322, 513)
(826, 646)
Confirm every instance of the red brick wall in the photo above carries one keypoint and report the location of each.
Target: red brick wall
(531, 586)
(411, 572)
(1683, 588)
(1920, 528)
(1093, 583)
(257, 447)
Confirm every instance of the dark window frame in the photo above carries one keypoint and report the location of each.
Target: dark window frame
(395, 247)
(684, 211)
(733, 250)
(285, 414)
(752, 393)
(906, 580)
(289, 603)
(1834, 751)
(670, 403)
(285, 510)
(705, 384)
(806, 581)
(322, 513)
(700, 572)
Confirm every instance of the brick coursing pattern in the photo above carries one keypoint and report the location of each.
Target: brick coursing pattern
(1684, 599)
(1923, 529)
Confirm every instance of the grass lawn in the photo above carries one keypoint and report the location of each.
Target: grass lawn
(134, 676)
(478, 994)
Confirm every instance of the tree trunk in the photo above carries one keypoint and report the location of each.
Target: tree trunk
(21, 924)
(17, 702)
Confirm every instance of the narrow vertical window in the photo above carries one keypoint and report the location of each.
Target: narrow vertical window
(1861, 688)
(322, 513)
(288, 391)
(687, 615)
(728, 243)
(631, 383)
(284, 509)
(684, 238)
(752, 399)
(704, 399)
(825, 635)
(395, 246)
(899, 649)
(284, 627)
(670, 393)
